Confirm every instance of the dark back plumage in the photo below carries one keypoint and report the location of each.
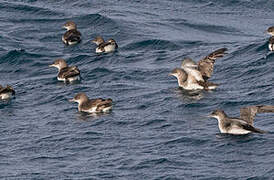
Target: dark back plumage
(69, 72)
(7, 89)
(72, 36)
(99, 103)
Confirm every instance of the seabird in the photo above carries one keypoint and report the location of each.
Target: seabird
(195, 75)
(271, 43)
(188, 82)
(72, 36)
(103, 46)
(270, 31)
(6, 92)
(66, 73)
(92, 105)
(242, 125)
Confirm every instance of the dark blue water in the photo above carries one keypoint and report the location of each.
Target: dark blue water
(155, 131)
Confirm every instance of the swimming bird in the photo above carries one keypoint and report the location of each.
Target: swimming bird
(197, 74)
(242, 125)
(72, 36)
(103, 46)
(270, 31)
(188, 81)
(92, 105)
(66, 73)
(6, 92)
(271, 43)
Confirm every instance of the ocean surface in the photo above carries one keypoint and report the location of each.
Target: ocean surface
(155, 130)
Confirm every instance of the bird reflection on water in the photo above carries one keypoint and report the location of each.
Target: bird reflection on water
(188, 95)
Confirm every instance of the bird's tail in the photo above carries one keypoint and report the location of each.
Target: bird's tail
(208, 85)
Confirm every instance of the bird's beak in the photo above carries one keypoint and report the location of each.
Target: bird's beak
(64, 27)
(51, 65)
(210, 116)
(170, 74)
(71, 100)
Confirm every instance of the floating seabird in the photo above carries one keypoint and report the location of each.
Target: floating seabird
(188, 82)
(66, 73)
(271, 43)
(105, 47)
(195, 76)
(72, 36)
(92, 105)
(6, 92)
(242, 125)
(270, 31)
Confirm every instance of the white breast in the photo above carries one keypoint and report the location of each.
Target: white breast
(5, 95)
(238, 131)
(109, 48)
(233, 130)
(61, 79)
(98, 50)
(94, 109)
(72, 42)
(63, 39)
(107, 109)
(212, 87)
(75, 78)
(193, 86)
(271, 47)
(91, 110)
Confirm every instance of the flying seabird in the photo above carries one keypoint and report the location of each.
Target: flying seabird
(92, 105)
(6, 92)
(242, 125)
(197, 74)
(66, 73)
(105, 47)
(72, 36)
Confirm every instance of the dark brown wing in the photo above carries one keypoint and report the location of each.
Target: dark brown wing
(99, 103)
(95, 102)
(271, 40)
(69, 72)
(72, 36)
(251, 128)
(248, 113)
(104, 104)
(206, 64)
(7, 89)
(103, 45)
